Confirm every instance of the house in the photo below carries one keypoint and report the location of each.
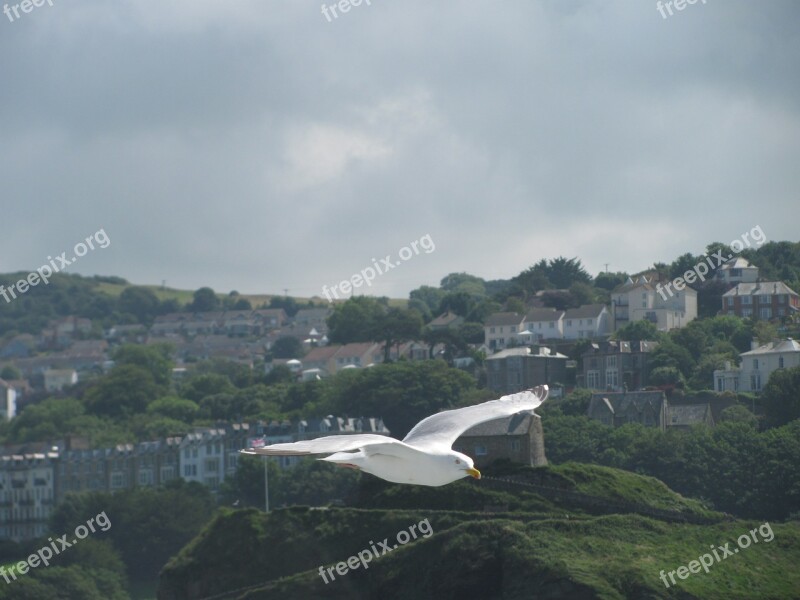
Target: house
(8, 401)
(202, 457)
(761, 300)
(357, 354)
(518, 438)
(542, 323)
(618, 408)
(27, 492)
(501, 329)
(316, 318)
(57, 379)
(59, 333)
(737, 270)
(321, 358)
(20, 346)
(757, 365)
(645, 299)
(685, 416)
(446, 320)
(587, 321)
(616, 365)
(517, 369)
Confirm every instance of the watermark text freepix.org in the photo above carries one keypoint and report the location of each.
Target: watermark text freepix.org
(706, 560)
(343, 6)
(365, 556)
(45, 272)
(25, 6)
(701, 269)
(44, 554)
(679, 5)
(368, 274)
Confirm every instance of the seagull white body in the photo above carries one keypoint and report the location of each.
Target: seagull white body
(425, 456)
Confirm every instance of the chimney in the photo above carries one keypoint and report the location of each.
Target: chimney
(754, 345)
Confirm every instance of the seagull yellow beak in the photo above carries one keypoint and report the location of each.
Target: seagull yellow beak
(473, 472)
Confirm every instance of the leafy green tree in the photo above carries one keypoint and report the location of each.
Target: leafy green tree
(395, 327)
(180, 409)
(429, 295)
(154, 359)
(287, 303)
(669, 354)
(666, 376)
(638, 331)
(471, 333)
(482, 310)
(682, 264)
(464, 282)
(125, 391)
(608, 281)
(781, 397)
(460, 303)
(206, 384)
(204, 300)
(563, 272)
(141, 302)
(288, 347)
(9, 373)
(355, 320)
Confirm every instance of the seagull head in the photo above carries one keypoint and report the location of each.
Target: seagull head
(464, 465)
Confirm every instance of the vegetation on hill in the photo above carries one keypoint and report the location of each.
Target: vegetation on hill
(534, 548)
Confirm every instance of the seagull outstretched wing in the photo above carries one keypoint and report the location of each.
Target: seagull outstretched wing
(439, 431)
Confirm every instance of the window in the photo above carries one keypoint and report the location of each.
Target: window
(552, 325)
(755, 382)
(593, 379)
(765, 312)
(729, 301)
(588, 321)
(755, 364)
(212, 465)
(480, 451)
(611, 377)
(611, 362)
(569, 323)
(747, 312)
(515, 445)
(117, 480)
(747, 300)
(491, 329)
(780, 362)
(782, 298)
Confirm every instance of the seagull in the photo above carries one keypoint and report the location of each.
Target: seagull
(425, 456)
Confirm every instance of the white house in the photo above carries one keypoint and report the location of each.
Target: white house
(644, 299)
(543, 323)
(57, 379)
(588, 321)
(757, 365)
(202, 457)
(737, 270)
(8, 401)
(501, 329)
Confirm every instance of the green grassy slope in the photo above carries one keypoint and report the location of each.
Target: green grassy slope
(536, 548)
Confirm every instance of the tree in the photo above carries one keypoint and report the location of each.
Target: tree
(354, 320)
(459, 303)
(124, 392)
(472, 333)
(638, 331)
(464, 282)
(765, 332)
(608, 281)
(10, 373)
(287, 303)
(395, 327)
(781, 397)
(563, 272)
(287, 347)
(205, 300)
(155, 359)
(206, 384)
(139, 301)
(429, 295)
(180, 409)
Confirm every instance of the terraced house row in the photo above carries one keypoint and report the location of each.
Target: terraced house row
(34, 478)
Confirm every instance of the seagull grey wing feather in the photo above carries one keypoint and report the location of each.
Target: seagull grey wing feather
(439, 431)
(323, 445)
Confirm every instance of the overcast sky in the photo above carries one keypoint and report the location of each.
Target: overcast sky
(256, 145)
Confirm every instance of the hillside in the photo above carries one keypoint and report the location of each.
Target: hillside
(535, 548)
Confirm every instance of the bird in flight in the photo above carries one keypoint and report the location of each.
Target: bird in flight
(425, 456)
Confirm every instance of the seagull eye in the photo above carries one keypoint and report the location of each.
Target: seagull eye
(458, 462)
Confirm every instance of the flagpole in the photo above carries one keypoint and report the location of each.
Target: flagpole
(266, 485)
